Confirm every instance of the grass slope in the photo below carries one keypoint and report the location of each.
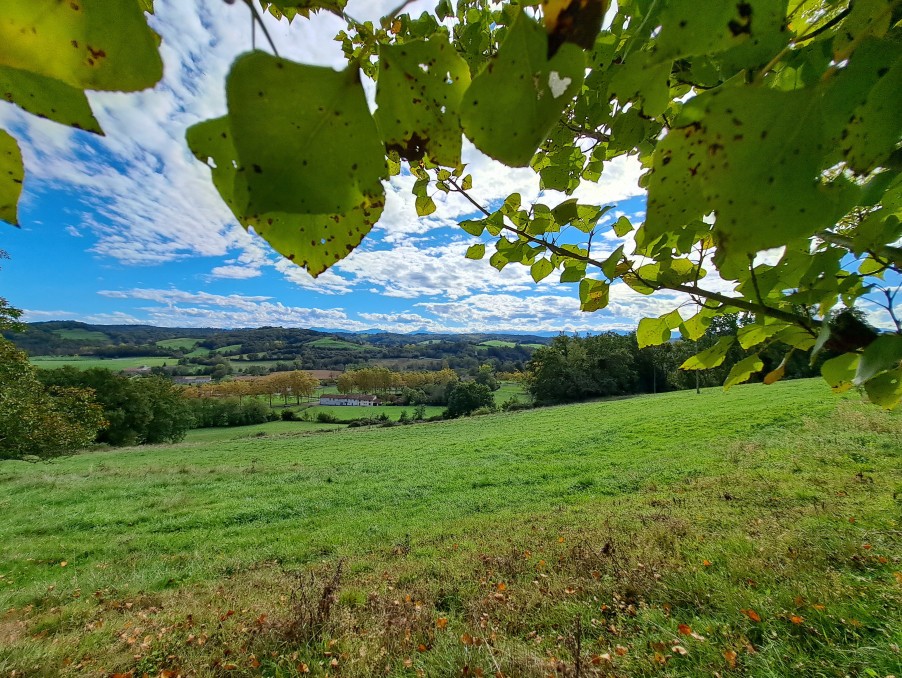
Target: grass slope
(748, 533)
(180, 343)
(81, 334)
(84, 363)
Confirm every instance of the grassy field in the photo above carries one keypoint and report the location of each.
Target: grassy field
(393, 412)
(339, 344)
(272, 428)
(180, 343)
(79, 334)
(750, 533)
(86, 363)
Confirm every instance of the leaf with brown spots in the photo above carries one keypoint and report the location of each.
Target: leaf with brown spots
(11, 175)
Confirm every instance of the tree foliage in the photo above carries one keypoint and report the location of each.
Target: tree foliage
(759, 124)
(466, 397)
(41, 422)
(144, 410)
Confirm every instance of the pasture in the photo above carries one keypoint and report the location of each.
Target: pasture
(86, 363)
(754, 532)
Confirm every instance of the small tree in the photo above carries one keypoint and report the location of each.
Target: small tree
(466, 397)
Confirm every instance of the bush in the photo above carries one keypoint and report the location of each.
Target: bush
(326, 418)
(468, 396)
(289, 415)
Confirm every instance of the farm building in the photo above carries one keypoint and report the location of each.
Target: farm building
(348, 399)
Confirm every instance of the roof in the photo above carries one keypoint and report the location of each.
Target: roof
(347, 396)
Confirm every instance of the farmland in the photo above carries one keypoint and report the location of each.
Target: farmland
(763, 521)
(86, 363)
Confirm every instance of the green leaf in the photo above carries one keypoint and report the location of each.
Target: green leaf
(747, 154)
(541, 269)
(743, 370)
(313, 241)
(644, 79)
(473, 226)
(476, 251)
(11, 175)
(292, 8)
(695, 328)
(652, 332)
(796, 337)
(622, 226)
(670, 272)
(467, 182)
(758, 332)
(425, 206)
(884, 353)
(876, 127)
(593, 294)
(86, 44)
(305, 138)
(418, 95)
(47, 98)
(754, 26)
(885, 389)
(498, 261)
(573, 273)
(609, 265)
(512, 104)
(711, 357)
(839, 372)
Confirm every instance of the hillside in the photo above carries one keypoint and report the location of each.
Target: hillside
(699, 533)
(261, 349)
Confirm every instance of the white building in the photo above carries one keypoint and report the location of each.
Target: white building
(348, 399)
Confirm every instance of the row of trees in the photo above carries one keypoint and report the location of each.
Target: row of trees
(297, 384)
(382, 380)
(611, 364)
(145, 410)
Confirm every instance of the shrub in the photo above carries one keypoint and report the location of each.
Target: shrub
(289, 415)
(326, 418)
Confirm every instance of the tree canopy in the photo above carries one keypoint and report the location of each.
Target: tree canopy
(769, 132)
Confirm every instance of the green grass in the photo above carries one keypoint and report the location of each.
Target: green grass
(272, 428)
(79, 334)
(86, 363)
(231, 348)
(339, 344)
(199, 352)
(393, 412)
(497, 343)
(511, 389)
(765, 520)
(180, 343)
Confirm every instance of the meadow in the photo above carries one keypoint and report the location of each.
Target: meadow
(754, 532)
(85, 363)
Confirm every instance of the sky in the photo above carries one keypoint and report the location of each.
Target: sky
(128, 228)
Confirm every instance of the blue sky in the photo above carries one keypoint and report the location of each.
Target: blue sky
(128, 228)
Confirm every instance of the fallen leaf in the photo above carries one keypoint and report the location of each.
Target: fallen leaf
(697, 636)
(441, 622)
(751, 614)
(898, 576)
(229, 667)
(706, 563)
(660, 658)
(502, 586)
(64, 563)
(795, 619)
(866, 547)
(685, 629)
(620, 650)
(466, 639)
(680, 650)
(303, 668)
(730, 656)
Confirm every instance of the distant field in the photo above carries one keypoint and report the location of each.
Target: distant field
(393, 412)
(180, 343)
(534, 345)
(510, 389)
(79, 334)
(199, 352)
(339, 344)
(86, 363)
(231, 348)
(497, 343)
(749, 533)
